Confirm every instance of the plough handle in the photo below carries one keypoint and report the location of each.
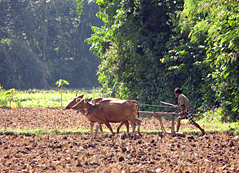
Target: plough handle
(167, 103)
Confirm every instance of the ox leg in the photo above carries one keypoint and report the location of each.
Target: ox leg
(136, 121)
(109, 126)
(133, 128)
(96, 129)
(126, 124)
(121, 124)
(100, 126)
(139, 122)
(91, 128)
(139, 129)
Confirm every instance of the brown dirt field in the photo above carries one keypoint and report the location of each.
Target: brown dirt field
(153, 152)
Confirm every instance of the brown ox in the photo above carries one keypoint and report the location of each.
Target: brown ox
(92, 121)
(114, 111)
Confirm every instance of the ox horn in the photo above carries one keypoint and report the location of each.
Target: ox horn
(85, 100)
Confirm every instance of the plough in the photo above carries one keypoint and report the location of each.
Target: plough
(172, 114)
(173, 132)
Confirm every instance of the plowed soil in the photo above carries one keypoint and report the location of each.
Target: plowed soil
(153, 152)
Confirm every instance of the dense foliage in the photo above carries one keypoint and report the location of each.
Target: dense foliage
(42, 98)
(147, 48)
(214, 24)
(42, 41)
(131, 45)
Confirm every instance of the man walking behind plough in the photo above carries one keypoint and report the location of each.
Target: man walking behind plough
(187, 110)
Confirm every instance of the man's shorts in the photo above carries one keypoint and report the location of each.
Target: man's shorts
(188, 114)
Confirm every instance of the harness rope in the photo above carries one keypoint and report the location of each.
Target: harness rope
(156, 105)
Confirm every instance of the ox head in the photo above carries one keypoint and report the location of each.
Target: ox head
(83, 104)
(74, 101)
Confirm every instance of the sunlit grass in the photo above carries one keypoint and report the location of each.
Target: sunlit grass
(46, 98)
(32, 132)
(213, 127)
(229, 128)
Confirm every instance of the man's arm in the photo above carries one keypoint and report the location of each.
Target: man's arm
(183, 108)
(176, 106)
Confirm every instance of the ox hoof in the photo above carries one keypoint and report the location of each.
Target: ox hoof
(134, 137)
(122, 137)
(111, 135)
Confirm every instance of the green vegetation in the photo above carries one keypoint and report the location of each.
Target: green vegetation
(147, 48)
(45, 98)
(60, 84)
(44, 42)
(10, 94)
(213, 25)
(210, 127)
(33, 132)
(218, 127)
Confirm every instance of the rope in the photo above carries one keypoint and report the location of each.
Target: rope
(156, 105)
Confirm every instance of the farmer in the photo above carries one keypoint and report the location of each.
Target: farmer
(187, 110)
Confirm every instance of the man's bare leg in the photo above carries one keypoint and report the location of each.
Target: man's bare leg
(178, 124)
(202, 130)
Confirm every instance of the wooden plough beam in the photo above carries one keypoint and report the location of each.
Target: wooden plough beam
(163, 113)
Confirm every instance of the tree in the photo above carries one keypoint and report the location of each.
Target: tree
(146, 50)
(214, 24)
(42, 41)
(130, 46)
(60, 83)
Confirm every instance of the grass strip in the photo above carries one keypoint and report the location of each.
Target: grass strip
(34, 132)
(229, 128)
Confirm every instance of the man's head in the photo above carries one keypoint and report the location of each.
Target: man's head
(177, 91)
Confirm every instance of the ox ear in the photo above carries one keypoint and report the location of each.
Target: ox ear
(79, 97)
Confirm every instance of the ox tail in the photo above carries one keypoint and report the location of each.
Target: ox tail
(137, 106)
(138, 114)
